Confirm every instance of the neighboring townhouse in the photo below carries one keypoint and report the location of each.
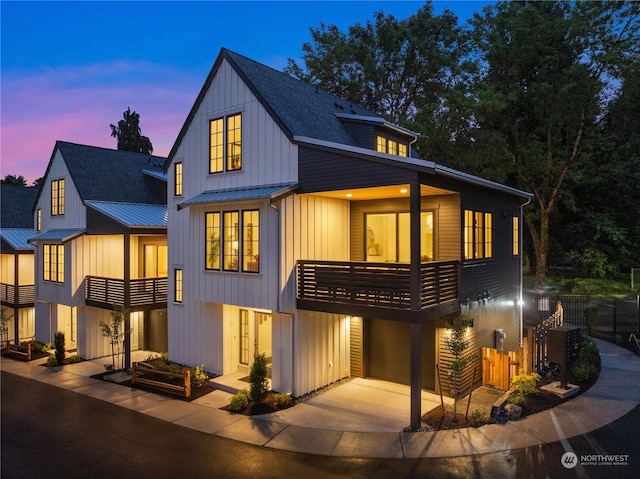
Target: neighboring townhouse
(16, 262)
(101, 242)
(307, 228)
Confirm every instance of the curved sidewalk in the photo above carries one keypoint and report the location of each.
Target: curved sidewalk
(615, 393)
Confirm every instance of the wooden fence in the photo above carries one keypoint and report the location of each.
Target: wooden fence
(143, 373)
(498, 368)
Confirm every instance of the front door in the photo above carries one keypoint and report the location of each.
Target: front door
(67, 323)
(255, 336)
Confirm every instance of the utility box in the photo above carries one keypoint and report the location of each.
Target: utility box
(562, 348)
(500, 337)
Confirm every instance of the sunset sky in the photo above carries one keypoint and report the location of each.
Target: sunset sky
(69, 69)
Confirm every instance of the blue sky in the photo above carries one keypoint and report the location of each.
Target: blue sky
(69, 69)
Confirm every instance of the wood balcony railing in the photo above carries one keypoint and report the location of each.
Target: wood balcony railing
(381, 285)
(144, 293)
(26, 295)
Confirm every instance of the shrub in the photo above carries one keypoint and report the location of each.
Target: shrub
(526, 383)
(258, 378)
(478, 417)
(239, 401)
(583, 371)
(58, 340)
(74, 359)
(52, 361)
(199, 377)
(517, 398)
(282, 400)
(588, 362)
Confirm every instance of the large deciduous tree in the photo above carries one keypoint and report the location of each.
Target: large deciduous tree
(129, 135)
(549, 71)
(413, 71)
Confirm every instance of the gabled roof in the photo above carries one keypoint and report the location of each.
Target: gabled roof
(16, 203)
(103, 174)
(132, 215)
(17, 238)
(298, 108)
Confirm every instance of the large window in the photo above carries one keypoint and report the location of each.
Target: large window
(57, 197)
(393, 147)
(53, 263)
(225, 144)
(178, 179)
(388, 237)
(232, 241)
(478, 235)
(178, 286)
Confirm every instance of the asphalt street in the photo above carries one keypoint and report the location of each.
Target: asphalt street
(55, 433)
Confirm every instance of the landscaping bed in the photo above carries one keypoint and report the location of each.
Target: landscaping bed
(27, 351)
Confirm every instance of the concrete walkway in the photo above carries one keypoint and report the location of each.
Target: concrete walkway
(348, 421)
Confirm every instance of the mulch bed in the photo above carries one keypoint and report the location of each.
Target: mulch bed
(266, 407)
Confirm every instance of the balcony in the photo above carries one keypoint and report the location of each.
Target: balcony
(26, 295)
(381, 290)
(144, 293)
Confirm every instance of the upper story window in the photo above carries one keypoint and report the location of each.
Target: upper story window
(393, 147)
(177, 286)
(232, 241)
(177, 186)
(478, 235)
(516, 236)
(53, 263)
(57, 197)
(225, 144)
(39, 220)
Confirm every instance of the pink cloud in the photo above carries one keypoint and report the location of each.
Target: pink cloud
(79, 104)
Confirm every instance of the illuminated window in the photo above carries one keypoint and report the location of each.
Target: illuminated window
(478, 235)
(53, 263)
(225, 143)
(178, 286)
(57, 197)
(516, 236)
(232, 241)
(178, 179)
(212, 240)
(39, 220)
(385, 145)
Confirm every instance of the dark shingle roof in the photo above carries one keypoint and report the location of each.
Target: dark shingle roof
(103, 174)
(17, 206)
(299, 109)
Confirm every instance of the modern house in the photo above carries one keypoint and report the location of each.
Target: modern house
(101, 243)
(16, 262)
(307, 228)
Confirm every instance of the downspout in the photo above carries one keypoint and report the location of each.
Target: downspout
(520, 300)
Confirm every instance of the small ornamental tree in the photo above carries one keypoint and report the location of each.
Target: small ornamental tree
(258, 378)
(58, 340)
(457, 345)
(115, 332)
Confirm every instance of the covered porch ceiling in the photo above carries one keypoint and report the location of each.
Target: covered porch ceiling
(383, 192)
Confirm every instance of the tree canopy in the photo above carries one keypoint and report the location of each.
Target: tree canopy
(129, 134)
(14, 180)
(524, 95)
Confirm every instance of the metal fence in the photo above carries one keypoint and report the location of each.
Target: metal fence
(611, 319)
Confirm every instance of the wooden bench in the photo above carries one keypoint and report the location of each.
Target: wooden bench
(140, 369)
(14, 349)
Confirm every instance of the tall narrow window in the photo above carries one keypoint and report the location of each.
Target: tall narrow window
(234, 142)
(478, 235)
(46, 262)
(230, 242)
(212, 240)
(178, 286)
(251, 241)
(468, 234)
(516, 236)
(216, 145)
(57, 197)
(39, 220)
(178, 179)
(488, 235)
(244, 337)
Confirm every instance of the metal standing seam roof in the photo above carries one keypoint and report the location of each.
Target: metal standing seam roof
(18, 238)
(239, 194)
(132, 215)
(61, 236)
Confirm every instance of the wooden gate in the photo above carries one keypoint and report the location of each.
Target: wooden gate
(499, 368)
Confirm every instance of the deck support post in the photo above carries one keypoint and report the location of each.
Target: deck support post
(127, 300)
(415, 288)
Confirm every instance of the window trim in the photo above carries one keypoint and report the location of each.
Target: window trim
(53, 265)
(391, 146)
(39, 220)
(477, 238)
(232, 237)
(57, 200)
(226, 140)
(178, 285)
(515, 229)
(177, 179)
